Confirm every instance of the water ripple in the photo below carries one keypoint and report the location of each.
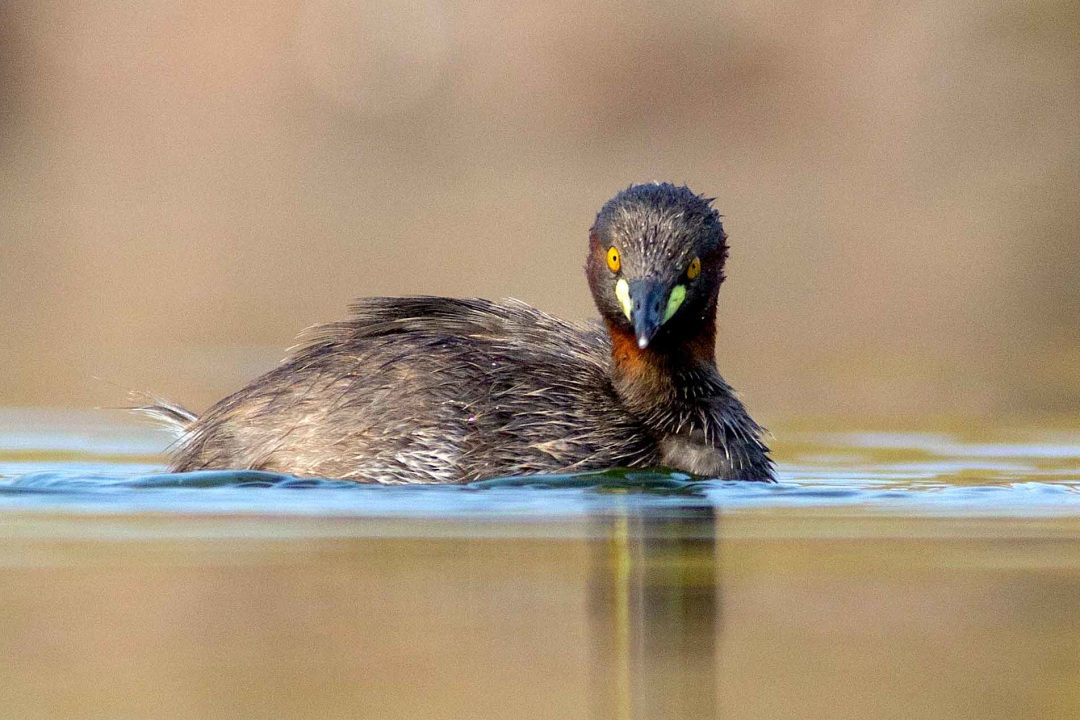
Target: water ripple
(253, 492)
(89, 466)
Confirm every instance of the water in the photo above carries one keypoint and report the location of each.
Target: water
(928, 571)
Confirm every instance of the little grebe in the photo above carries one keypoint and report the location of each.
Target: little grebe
(439, 390)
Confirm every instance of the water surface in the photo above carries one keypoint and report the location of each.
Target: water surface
(894, 572)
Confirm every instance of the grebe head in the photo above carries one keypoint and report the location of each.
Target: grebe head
(655, 265)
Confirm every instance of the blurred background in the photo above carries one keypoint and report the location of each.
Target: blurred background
(186, 186)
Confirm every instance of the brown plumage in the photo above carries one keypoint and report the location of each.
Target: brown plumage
(438, 390)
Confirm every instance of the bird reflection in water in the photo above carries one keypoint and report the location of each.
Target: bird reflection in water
(656, 614)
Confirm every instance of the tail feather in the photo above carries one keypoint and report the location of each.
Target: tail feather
(176, 417)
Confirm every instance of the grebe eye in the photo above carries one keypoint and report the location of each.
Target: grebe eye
(613, 261)
(694, 270)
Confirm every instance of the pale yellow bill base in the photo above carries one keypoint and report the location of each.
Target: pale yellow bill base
(675, 299)
(622, 294)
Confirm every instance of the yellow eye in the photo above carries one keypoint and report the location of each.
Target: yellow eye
(694, 270)
(613, 261)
